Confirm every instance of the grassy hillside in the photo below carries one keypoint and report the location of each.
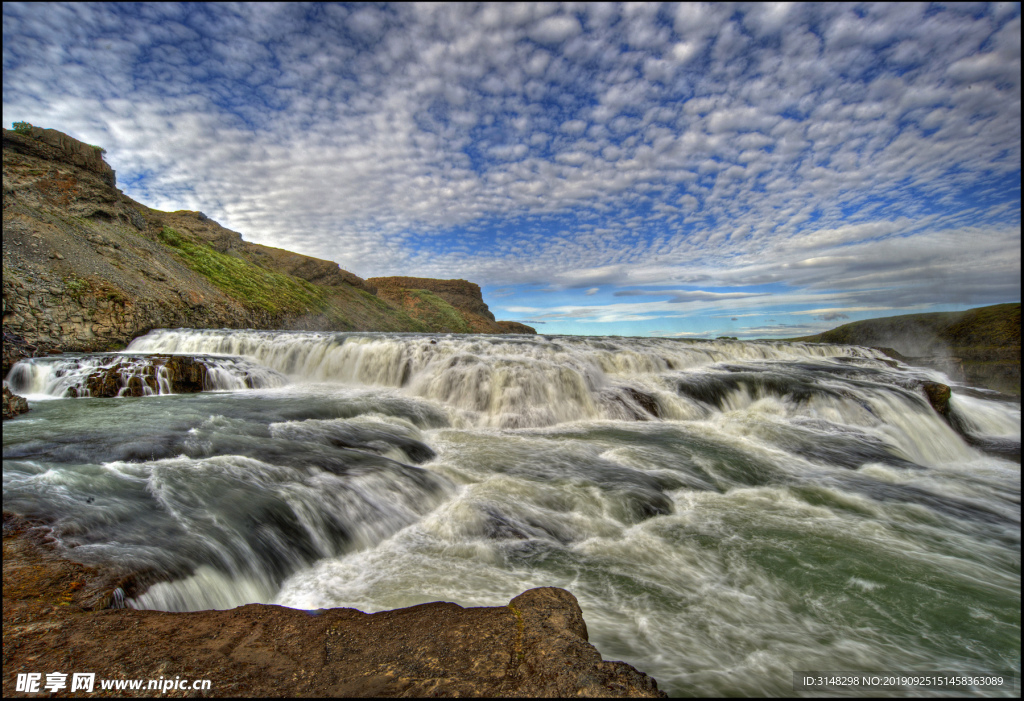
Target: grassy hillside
(341, 307)
(986, 341)
(436, 314)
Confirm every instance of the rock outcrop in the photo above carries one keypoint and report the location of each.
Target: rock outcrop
(129, 378)
(537, 645)
(53, 145)
(86, 268)
(13, 404)
(315, 270)
(938, 396)
(515, 327)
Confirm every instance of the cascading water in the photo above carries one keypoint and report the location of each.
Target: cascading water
(725, 512)
(69, 374)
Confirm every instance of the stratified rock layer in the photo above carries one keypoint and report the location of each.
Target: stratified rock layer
(535, 646)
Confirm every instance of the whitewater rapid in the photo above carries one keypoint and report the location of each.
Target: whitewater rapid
(726, 512)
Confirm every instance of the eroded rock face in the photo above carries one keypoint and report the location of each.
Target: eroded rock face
(315, 270)
(461, 294)
(535, 646)
(65, 148)
(557, 660)
(86, 269)
(13, 404)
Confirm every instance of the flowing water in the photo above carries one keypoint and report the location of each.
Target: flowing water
(725, 512)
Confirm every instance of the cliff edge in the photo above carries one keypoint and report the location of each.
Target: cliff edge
(456, 305)
(86, 268)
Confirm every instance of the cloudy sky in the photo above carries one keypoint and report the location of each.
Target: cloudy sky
(685, 170)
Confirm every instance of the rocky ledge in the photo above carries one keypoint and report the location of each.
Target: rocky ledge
(535, 646)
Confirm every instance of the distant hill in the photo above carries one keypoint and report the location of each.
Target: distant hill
(983, 344)
(86, 268)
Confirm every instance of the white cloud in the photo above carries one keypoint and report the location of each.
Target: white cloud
(684, 51)
(555, 30)
(405, 138)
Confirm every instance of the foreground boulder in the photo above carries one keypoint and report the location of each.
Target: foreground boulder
(535, 646)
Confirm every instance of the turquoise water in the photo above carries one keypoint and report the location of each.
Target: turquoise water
(726, 513)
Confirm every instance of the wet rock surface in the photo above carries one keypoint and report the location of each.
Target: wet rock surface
(185, 376)
(938, 396)
(535, 646)
(13, 404)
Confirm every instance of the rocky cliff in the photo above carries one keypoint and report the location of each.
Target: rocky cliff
(87, 268)
(56, 611)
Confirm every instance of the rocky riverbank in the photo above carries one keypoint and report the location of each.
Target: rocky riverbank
(57, 618)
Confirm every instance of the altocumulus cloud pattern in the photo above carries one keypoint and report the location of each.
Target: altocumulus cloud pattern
(599, 168)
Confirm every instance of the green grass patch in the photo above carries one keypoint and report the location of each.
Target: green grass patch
(255, 287)
(75, 286)
(437, 313)
(170, 237)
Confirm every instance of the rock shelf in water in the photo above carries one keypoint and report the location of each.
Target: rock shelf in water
(535, 646)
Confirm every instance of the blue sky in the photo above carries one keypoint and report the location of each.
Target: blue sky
(688, 170)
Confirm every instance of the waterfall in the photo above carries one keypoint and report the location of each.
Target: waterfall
(70, 374)
(504, 382)
(756, 507)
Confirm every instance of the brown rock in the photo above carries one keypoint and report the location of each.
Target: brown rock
(461, 294)
(515, 327)
(131, 377)
(315, 270)
(67, 228)
(938, 396)
(65, 148)
(13, 404)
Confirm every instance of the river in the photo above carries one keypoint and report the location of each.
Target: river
(726, 512)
